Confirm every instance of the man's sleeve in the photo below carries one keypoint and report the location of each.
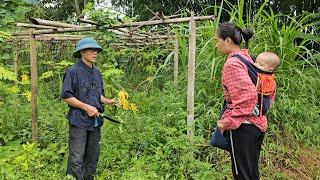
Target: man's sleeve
(68, 88)
(102, 87)
(242, 93)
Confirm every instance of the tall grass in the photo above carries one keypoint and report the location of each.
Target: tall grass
(294, 118)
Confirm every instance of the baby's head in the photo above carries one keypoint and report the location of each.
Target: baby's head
(267, 61)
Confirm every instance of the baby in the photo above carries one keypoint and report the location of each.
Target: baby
(267, 61)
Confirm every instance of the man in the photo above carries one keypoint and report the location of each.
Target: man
(83, 91)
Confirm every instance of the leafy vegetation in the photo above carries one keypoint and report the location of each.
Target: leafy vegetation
(152, 143)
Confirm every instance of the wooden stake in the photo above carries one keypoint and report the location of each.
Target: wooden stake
(15, 59)
(34, 86)
(191, 75)
(15, 68)
(175, 62)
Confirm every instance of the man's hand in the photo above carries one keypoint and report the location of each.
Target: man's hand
(108, 101)
(111, 101)
(91, 111)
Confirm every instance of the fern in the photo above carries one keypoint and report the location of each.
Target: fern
(7, 75)
(112, 71)
(4, 36)
(47, 75)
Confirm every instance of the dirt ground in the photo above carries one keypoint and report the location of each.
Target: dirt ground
(308, 166)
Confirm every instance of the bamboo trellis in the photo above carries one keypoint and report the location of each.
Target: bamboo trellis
(44, 30)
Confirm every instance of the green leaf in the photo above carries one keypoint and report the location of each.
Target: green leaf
(307, 36)
(7, 75)
(47, 75)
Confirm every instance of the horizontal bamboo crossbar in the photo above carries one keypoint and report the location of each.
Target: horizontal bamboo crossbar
(117, 26)
(60, 30)
(88, 21)
(38, 21)
(35, 26)
(162, 21)
(140, 44)
(48, 37)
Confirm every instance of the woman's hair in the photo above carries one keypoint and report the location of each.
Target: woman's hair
(234, 32)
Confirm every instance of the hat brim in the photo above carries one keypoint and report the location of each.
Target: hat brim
(77, 54)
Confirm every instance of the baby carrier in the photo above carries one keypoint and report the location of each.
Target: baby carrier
(265, 84)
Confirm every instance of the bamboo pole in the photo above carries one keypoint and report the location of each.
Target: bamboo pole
(128, 33)
(146, 38)
(139, 44)
(175, 62)
(162, 21)
(15, 69)
(34, 86)
(38, 21)
(52, 38)
(35, 26)
(137, 27)
(191, 75)
(15, 59)
(60, 30)
(123, 25)
(88, 21)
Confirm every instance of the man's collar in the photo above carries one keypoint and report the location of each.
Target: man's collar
(85, 65)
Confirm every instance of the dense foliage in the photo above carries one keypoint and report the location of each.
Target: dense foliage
(152, 143)
(146, 8)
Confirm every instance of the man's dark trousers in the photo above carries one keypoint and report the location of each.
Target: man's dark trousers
(84, 150)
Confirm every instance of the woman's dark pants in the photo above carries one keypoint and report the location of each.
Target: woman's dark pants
(247, 142)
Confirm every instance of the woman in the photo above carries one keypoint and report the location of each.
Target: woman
(246, 131)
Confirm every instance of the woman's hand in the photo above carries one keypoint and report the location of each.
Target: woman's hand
(222, 126)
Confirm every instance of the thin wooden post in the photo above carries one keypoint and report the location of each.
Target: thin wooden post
(191, 75)
(15, 59)
(34, 86)
(175, 62)
(15, 69)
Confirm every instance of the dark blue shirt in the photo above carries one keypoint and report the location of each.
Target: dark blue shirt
(85, 84)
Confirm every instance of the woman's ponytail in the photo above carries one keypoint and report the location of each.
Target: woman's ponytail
(247, 34)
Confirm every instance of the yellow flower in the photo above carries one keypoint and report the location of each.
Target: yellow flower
(123, 96)
(24, 78)
(133, 107)
(124, 103)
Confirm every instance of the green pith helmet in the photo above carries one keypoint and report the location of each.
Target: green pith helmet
(86, 43)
